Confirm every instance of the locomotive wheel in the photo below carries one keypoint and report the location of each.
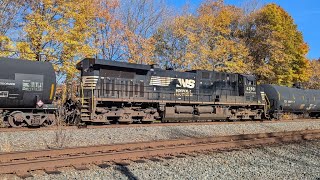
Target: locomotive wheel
(125, 119)
(16, 119)
(147, 122)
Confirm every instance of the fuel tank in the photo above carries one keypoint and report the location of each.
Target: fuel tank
(292, 99)
(26, 84)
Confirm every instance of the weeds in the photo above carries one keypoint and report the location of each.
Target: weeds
(7, 145)
(60, 139)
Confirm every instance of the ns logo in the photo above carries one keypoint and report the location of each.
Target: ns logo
(186, 83)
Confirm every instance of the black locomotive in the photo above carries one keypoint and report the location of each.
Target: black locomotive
(125, 92)
(112, 91)
(27, 89)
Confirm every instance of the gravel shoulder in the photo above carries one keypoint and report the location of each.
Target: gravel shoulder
(44, 139)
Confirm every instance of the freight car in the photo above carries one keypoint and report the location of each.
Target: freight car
(296, 102)
(124, 92)
(27, 89)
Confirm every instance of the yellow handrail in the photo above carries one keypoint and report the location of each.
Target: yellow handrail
(82, 94)
(92, 98)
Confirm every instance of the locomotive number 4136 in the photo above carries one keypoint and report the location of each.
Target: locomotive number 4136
(251, 89)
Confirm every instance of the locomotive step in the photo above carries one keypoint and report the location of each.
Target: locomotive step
(85, 119)
(85, 111)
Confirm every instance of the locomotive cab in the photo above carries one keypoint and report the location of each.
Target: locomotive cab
(248, 87)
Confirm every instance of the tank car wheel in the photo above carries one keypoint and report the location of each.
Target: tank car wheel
(49, 122)
(16, 119)
(3, 122)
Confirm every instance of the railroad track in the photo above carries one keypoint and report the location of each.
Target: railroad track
(149, 125)
(22, 163)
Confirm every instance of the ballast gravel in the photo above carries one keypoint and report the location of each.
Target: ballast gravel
(287, 161)
(46, 139)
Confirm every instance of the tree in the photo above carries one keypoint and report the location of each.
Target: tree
(108, 39)
(141, 19)
(9, 9)
(208, 40)
(124, 29)
(277, 47)
(6, 46)
(314, 82)
(60, 31)
(80, 18)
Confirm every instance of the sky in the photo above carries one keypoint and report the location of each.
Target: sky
(306, 14)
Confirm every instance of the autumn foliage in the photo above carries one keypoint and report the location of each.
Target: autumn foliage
(314, 82)
(276, 46)
(208, 40)
(220, 37)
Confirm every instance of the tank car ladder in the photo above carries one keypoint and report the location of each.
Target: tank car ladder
(267, 106)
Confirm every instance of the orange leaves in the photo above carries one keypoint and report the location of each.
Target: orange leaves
(124, 30)
(108, 29)
(106, 8)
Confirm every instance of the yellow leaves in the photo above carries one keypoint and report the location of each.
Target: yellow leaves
(266, 43)
(276, 42)
(59, 30)
(208, 40)
(314, 82)
(6, 46)
(25, 51)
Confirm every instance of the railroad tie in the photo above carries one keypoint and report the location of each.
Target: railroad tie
(122, 163)
(80, 167)
(51, 171)
(23, 174)
(103, 165)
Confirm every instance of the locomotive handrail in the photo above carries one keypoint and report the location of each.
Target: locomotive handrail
(108, 90)
(82, 94)
(204, 97)
(152, 92)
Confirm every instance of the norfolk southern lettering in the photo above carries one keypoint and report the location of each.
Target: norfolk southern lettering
(4, 82)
